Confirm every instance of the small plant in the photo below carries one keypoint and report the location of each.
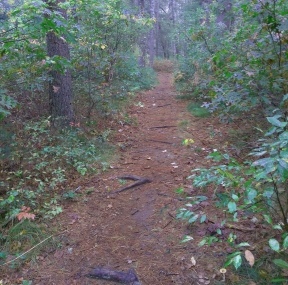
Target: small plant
(254, 188)
(197, 110)
(22, 241)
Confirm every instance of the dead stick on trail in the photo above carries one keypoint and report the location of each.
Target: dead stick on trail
(160, 141)
(163, 105)
(162, 127)
(140, 181)
(130, 277)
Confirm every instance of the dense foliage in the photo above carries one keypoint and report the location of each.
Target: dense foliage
(232, 58)
(237, 58)
(236, 64)
(38, 161)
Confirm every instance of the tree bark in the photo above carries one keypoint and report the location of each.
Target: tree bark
(60, 85)
(142, 41)
(152, 34)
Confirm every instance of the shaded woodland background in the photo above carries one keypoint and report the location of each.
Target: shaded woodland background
(69, 69)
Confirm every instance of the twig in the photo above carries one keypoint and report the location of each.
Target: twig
(163, 127)
(130, 277)
(163, 105)
(135, 212)
(167, 224)
(165, 195)
(160, 141)
(232, 226)
(8, 262)
(140, 181)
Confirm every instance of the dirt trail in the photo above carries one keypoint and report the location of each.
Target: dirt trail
(137, 228)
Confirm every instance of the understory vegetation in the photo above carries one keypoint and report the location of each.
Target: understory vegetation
(230, 60)
(39, 162)
(236, 67)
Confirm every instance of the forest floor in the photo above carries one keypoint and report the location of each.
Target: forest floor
(137, 228)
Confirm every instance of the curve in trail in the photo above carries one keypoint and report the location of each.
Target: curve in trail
(135, 228)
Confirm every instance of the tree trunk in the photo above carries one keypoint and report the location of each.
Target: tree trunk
(60, 86)
(152, 34)
(142, 41)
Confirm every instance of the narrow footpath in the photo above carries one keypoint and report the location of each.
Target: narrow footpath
(136, 228)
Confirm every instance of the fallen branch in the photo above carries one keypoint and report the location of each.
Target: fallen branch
(165, 195)
(235, 227)
(239, 228)
(160, 141)
(140, 181)
(163, 105)
(163, 127)
(19, 256)
(128, 277)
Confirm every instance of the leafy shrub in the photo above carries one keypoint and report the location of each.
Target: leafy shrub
(197, 110)
(245, 67)
(38, 164)
(255, 188)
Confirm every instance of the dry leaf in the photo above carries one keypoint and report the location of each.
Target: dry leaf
(193, 261)
(25, 215)
(55, 89)
(249, 257)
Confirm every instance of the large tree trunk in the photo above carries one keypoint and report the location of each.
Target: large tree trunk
(60, 86)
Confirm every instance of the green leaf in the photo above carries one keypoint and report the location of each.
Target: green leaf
(275, 122)
(243, 244)
(235, 197)
(285, 97)
(237, 261)
(279, 280)
(179, 190)
(271, 131)
(267, 163)
(201, 198)
(202, 242)
(268, 219)
(193, 219)
(203, 219)
(284, 136)
(232, 207)
(251, 195)
(277, 227)
(281, 263)
(274, 244)
(3, 254)
(283, 163)
(187, 238)
(285, 242)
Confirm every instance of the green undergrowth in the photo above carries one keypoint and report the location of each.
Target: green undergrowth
(36, 170)
(39, 164)
(247, 192)
(196, 110)
(24, 241)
